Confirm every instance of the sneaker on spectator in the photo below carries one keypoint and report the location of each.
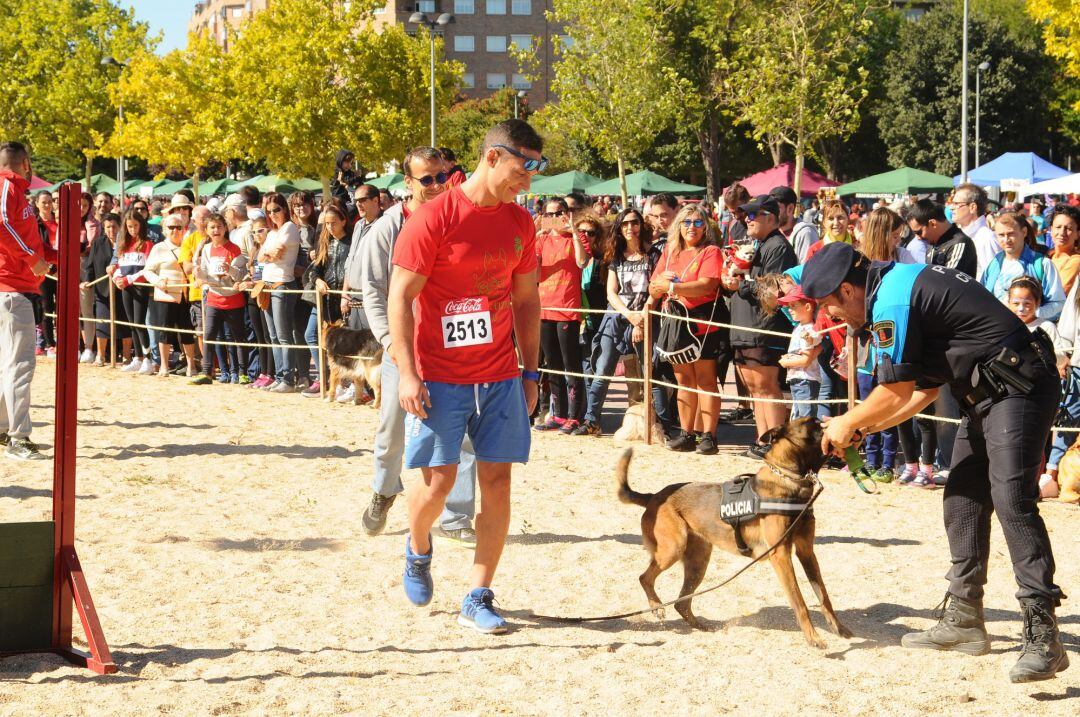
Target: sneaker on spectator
(347, 395)
(569, 426)
(262, 381)
(224, 377)
(284, 387)
(707, 445)
(50, 352)
(757, 451)
(736, 414)
(38, 351)
(201, 380)
(312, 391)
(551, 424)
(883, 475)
(941, 477)
(87, 356)
(461, 536)
(243, 379)
(683, 443)
(908, 474)
(587, 428)
(99, 361)
(417, 578)
(302, 384)
(272, 385)
(478, 612)
(23, 449)
(924, 480)
(374, 518)
(147, 368)
(135, 365)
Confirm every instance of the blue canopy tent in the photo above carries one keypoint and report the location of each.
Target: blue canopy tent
(1024, 167)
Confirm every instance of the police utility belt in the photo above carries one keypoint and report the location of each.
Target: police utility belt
(1018, 368)
(740, 503)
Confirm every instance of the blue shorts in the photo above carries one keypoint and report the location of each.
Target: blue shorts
(494, 414)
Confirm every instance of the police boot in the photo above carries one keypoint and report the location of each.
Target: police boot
(1042, 655)
(960, 627)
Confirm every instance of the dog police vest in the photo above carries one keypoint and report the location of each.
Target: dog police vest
(740, 503)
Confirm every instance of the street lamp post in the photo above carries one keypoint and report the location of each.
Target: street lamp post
(107, 62)
(518, 96)
(980, 68)
(422, 18)
(964, 100)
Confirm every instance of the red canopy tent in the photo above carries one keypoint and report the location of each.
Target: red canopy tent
(784, 174)
(37, 183)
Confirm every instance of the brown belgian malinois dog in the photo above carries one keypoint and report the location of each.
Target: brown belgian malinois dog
(683, 522)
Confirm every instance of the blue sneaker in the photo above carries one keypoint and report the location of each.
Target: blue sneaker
(478, 613)
(418, 585)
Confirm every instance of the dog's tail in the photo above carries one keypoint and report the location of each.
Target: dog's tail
(622, 476)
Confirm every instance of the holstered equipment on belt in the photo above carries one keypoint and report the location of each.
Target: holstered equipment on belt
(1011, 368)
(739, 503)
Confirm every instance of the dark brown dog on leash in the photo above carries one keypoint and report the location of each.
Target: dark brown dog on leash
(344, 349)
(685, 520)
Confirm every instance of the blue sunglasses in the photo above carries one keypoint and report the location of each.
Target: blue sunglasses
(696, 223)
(531, 165)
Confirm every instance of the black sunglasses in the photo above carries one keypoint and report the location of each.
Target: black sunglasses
(427, 181)
(368, 199)
(531, 165)
(555, 214)
(588, 232)
(274, 210)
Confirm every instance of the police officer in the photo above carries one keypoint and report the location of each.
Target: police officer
(933, 326)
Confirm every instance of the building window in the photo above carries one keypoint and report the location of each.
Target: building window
(425, 5)
(496, 7)
(464, 7)
(521, 7)
(521, 42)
(237, 12)
(496, 43)
(468, 81)
(521, 82)
(496, 80)
(464, 43)
(567, 42)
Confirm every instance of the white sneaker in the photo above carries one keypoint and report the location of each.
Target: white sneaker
(135, 365)
(347, 396)
(147, 367)
(87, 356)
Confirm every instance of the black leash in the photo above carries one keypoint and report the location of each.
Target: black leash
(818, 488)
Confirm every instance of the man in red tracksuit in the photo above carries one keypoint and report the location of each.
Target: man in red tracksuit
(24, 260)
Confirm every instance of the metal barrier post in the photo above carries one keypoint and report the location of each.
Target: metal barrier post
(112, 324)
(646, 387)
(319, 340)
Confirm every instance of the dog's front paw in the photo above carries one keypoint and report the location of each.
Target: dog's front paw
(817, 642)
(844, 632)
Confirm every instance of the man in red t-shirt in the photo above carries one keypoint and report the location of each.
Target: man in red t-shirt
(464, 289)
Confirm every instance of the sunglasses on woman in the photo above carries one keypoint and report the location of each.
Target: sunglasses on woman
(587, 232)
(427, 181)
(530, 164)
(696, 223)
(551, 215)
(274, 210)
(631, 223)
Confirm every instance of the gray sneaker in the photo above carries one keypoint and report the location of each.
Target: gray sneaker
(960, 628)
(23, 449)
(374, 519)
(462, 536)
(283, 387)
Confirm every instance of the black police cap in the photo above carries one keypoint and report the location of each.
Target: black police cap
(826, 270)
(762, 203)
(784, 195)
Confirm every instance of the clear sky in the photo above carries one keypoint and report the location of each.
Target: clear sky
(166, 16)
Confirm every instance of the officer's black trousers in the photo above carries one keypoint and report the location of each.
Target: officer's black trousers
(995, 466)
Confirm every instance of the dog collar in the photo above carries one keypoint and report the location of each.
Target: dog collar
(810, 477)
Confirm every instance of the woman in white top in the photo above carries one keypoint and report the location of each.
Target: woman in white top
(169, 307)
(278, 259)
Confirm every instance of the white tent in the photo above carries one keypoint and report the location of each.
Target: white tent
(1069, 184)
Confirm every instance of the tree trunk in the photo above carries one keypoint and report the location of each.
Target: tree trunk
(800, 152)
(89, 172)
(195, 186)
(709, 144)
(325, 179)
(622, 180)
(776, 145)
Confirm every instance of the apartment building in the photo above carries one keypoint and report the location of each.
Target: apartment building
(481, 36)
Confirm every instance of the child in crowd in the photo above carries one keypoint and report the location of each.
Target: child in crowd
(803, 371)
(1025, 297)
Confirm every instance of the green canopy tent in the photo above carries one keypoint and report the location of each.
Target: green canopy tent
(308, 185)
(386, 180)
(249, 182)
(274, 183)
(563, 184)
(640, 184)
(170, 188)
(905, 180)
(216, 186)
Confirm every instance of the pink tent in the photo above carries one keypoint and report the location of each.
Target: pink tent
(784, 174)
(37, 183)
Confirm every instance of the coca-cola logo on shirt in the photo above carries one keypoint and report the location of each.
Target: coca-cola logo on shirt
(464, 306)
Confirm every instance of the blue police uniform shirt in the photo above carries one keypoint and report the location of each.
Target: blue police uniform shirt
(932, 325)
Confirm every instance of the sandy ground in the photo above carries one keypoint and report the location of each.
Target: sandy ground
(219, 531)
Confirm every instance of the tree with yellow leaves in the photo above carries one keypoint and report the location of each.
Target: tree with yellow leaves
(1061, 33)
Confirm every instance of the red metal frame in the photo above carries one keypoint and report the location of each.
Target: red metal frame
(69, 583)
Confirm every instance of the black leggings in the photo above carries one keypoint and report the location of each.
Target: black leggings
(927, 447)
(136, 299)
(172, 316)
(214, 330)
(48, 325)
(262, 336)
(562, 352)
